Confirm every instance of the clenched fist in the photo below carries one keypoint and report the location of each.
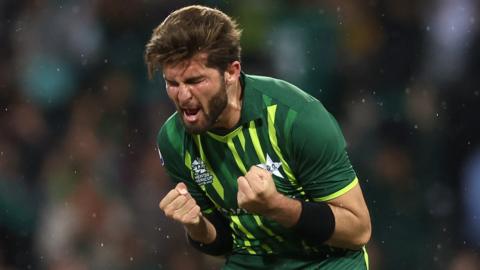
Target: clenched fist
(256, 191)
(179, 205)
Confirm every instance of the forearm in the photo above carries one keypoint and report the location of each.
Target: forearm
(284, 210)
(352, 230)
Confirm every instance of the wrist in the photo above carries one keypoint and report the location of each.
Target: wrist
(284, 210)
(203, 231)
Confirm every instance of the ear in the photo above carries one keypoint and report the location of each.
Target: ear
(232, 73)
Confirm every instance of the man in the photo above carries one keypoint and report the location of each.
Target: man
(261, 169)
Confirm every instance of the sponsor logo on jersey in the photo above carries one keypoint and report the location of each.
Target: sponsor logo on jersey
(200, 173)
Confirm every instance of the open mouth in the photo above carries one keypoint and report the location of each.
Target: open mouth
(191, 115)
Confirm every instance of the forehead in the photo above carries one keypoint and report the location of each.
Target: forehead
(195, 66)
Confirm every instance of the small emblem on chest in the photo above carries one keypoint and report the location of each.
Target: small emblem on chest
(271, 166)
(200, 173)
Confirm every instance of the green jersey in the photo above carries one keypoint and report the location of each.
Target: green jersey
(289, 133)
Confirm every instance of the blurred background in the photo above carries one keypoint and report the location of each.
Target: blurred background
(80, 178)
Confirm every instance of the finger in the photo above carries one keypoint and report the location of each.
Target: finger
(181, 188)
(193, 216)
(176, 204)
(261, 172)
(254, 179)
(171, 196)
(244, 187)
(189, 204)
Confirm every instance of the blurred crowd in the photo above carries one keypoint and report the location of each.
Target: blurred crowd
(80, 177)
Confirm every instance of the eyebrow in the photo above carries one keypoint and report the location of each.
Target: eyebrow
(188, 80)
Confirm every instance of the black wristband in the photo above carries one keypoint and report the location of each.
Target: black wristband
(223, 241)
(316, 223)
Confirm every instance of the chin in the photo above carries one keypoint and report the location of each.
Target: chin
(196, 128)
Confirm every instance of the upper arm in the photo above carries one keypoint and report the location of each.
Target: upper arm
(354, 202)
(320, 161)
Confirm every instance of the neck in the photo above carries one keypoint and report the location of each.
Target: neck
(232, 112)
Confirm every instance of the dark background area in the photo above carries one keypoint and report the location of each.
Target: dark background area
(80, 177)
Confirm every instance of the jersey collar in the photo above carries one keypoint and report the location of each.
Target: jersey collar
(252, 109)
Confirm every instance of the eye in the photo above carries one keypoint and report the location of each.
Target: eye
(194, 81)
(171, 83)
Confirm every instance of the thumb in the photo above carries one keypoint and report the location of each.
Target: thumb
(181, 188)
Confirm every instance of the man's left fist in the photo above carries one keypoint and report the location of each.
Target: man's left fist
(256, 191)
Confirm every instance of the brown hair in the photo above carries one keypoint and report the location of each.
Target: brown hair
(191, 30)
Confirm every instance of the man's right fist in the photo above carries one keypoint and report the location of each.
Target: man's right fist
(179, 205)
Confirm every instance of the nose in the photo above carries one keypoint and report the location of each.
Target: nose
(184, 93)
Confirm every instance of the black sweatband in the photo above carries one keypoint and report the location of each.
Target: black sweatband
(316, 223)
(223, 242)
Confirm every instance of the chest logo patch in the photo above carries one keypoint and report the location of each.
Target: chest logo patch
(271, 166)
(200, 173)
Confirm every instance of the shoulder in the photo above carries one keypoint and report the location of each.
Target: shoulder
(171, 137)
(280, 91)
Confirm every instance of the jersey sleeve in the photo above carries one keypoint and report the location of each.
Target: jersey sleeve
(321, 163)
(172, 156)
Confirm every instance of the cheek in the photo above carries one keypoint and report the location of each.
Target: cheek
(172, 94)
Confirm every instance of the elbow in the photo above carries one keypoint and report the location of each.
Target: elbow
(364, 236)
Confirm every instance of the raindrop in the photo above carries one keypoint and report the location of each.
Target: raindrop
(131, 259)
(105, 61)
(363, 100)
(94, 215)
(58, 69)
(101, 244)
(168, 236)
(427, 28)
(415, 126)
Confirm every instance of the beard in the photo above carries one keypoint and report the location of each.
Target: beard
(215, 105)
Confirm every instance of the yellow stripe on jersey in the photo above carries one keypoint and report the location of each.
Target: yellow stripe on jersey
(267, 230)
(246, 244)
(273, 140)
(256, 142)
(237, 158)
(338, 193)
(241, 137)
(365, 257)
(216, 183)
